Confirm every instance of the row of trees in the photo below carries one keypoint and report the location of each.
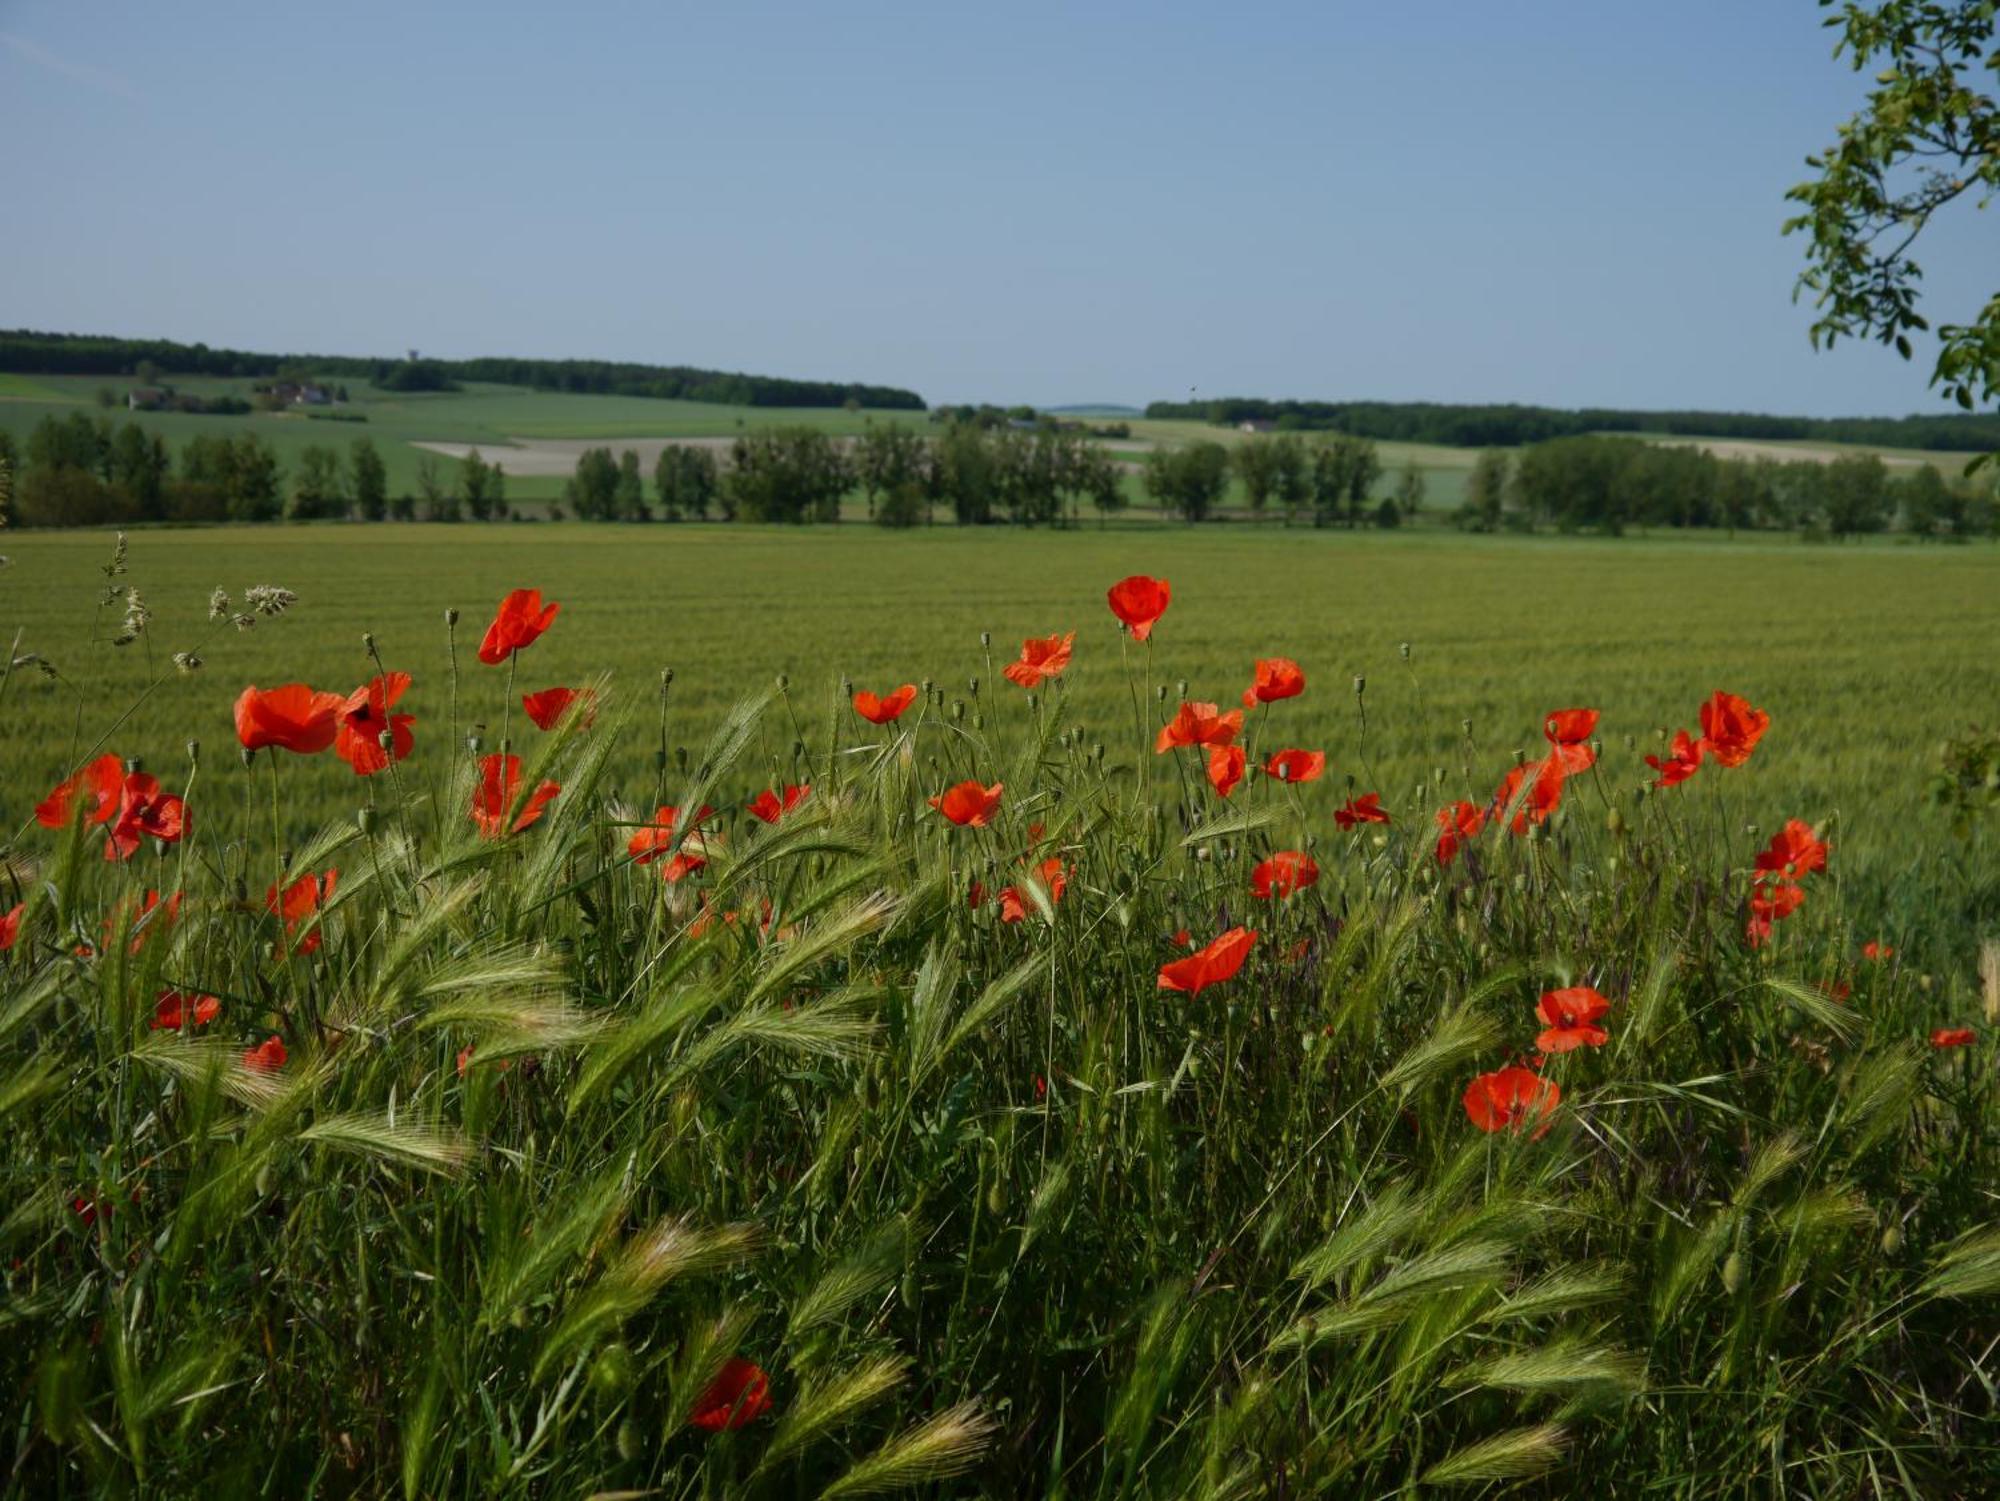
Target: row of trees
(1607, 484)
(1505, 426)
(1332, 482)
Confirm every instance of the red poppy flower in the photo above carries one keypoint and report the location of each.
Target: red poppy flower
(1794, 851)
(1953, 1037)
(169, 914)
(1730, 728)
(1572, 1016)
(304, 897)
(519, 622)
(171, 1011)
(1054, 879)
(1276, 678)
(1210, 966)
(1771, 900)
(465, 1060)
(293, 718)
(546, 707)
(1458, 823)
(1198, 724)
(1296, 765)
(1570, 727)
(1542, 795)
(499, 786)
(10, 927)
(769, 806)
(1041, 1087)
(885, 707)
(1682, 761)
(144, 812)
(1042, 657)
(1509, 1098)
(737, 1397)
(364, 715)
(976, 894)
(647, 844)
(267, 1057)
(969, 805)
(1182, 939)
(1357, 811)
(103, 779)
(1284, 873)
(1877, 951)
(1225, 767)
(1139, 601)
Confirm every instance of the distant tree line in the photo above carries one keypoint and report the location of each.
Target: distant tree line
(1605, 485)
(28, 352)
(1512, 426)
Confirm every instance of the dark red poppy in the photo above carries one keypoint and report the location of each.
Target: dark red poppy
(1456, 824)
(883, 708)
(144, 812)
(1283, 874)
(1182, 939)
(10, 926)
(737, 1397)
(1794, 851)
(103, 780)
(1276, 678)
(1953, 1037)
(1730, 728)
(1772, 899)
(1198, 724)
(267, 1057)
(1877, 951)
(969, 805)
(1054, 879)
(546, 707)
(647, 844)
(1571, 1016)
(1509, 1098)
(1139, 601)
(1683, 760)
(493, 799)
(770, 806)
(519, 622)
(1357, 811)
(1225, 767)
(173, 1010)
(1042, 657)
(1295, 765)
(1209, 966)
(293, 718)
(302, 899)
(975, 894)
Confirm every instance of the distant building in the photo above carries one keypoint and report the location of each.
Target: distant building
(1256, 425)
(147, 398)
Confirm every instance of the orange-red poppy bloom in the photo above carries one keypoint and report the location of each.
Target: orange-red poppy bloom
(1877, 951)
(1139, 601)
(1683, 760)
(1772, 899)
(1276, 678)
(1209, 966)
(103, 780)
(1182, 939)
(364, 715)
(1509, 1098)
(1357, 811)
(1296, 765)
(1730, 728)
(144, 920)
(10, 926)
(1953, 1037)
(267, 1057)
(1225, 767)
(1456, 824)
(1569, 731)
(1198, 724)
(172, 1011)
(547, 707)
(1571, 1017)
(737, 1397)
(882, 708)
(969, 805)
(493, 799)
(1529, 793)
(1042, 657)
(519, 622)
(302, 899)
(1794, 851)
(1282, 874)
(647, 844)
(1054, 879)
(770, 805)
(144, 812)
(293, 718)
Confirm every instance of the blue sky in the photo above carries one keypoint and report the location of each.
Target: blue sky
(1562, 201)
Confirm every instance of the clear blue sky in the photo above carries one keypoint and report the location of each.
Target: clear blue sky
(1561, 201)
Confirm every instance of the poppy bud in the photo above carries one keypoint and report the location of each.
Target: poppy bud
(681, 757)
(194, 753)
(1597, 749)
(1405, 650)
(368, 642)
(996, 1198)
(666, 679)
(1202, 854)
(958, 711)
(1097, 751)
(133, 765)
(972, 686)
(1614, 823)
(926, 686)
(1732, 1271)
(1892, 1240)
(365, 819)
(783, 682)
(450, 618)
(1466, 725)
(846, 686)
(248, 757)
(659, 760)
(1631, 742)
(979, 721)
(798, 748)
(387, 740)
(1360, 685)
(472, 744)
(1160, 693)
(611, 1372)
(985, 638)
(630, 1444)
(1924, 984)
(1182, 687)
